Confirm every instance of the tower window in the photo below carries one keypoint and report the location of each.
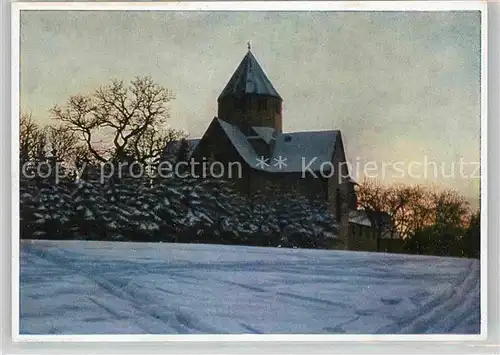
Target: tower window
(262, 104)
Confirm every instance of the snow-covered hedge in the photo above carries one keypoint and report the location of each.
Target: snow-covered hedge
(180, 210)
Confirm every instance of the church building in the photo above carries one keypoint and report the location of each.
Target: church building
(248, 129)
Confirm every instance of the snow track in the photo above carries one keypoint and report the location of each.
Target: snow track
(76, 287)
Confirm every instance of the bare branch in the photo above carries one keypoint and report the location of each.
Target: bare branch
(134, 116)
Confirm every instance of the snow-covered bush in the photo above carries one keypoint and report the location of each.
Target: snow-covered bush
(172, 210)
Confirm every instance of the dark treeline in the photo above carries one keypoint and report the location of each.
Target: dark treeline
(427, 220)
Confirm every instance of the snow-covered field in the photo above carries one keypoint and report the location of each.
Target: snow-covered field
(77, 287)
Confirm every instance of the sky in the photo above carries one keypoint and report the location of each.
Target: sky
(403, 87)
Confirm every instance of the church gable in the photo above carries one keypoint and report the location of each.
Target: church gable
(248, 130)
(215, 145)
(249, 124)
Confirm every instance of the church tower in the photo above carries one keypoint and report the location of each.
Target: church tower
(249, 99)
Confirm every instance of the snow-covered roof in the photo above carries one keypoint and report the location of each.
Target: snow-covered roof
(295, 150)
(240, 142)
(316, 147)
(193, 142)
(359, 217)
(265, 133)
(249, 78)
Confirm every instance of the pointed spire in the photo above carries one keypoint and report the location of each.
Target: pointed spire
(249, 78)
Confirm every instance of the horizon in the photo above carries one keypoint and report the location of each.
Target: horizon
(416, 75)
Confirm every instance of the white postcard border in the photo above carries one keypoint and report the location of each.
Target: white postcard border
(242, 6)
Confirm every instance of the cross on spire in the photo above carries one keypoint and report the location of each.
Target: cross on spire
(249, 46)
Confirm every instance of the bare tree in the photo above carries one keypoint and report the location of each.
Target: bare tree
(380, 204)
(450, 209)
(135, 117)
(411, 209)
(62, 142)
(394, 209)
(32, 139)
(150, 146)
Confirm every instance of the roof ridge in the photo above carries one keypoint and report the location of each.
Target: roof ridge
(316, 131)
